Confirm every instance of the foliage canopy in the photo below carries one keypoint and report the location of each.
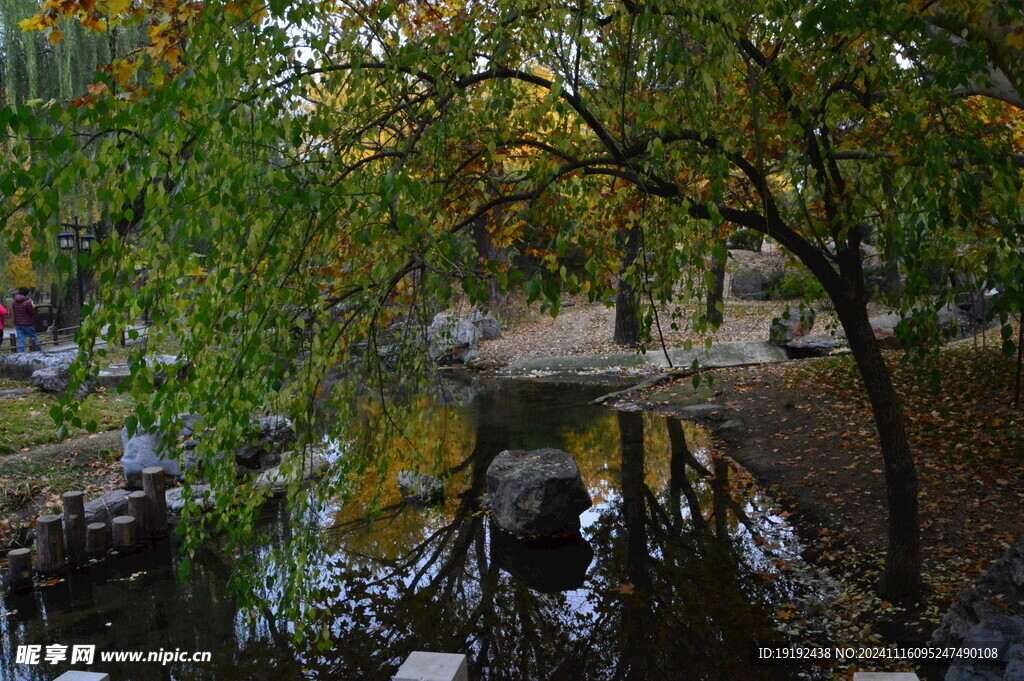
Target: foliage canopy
(291, 187)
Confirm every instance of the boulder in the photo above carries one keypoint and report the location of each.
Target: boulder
(978, 306)
(812, 346)
(176, 498)
(1015, 667)
(275, 435)
(146, 448)
(142, 450)
(536, 493)
(989, 613)
(977, 671)
(52, 381)
(999, 632)
(312, 464)
(892, 330)
(107, 507)
(19, 366)
(1006, 635)
(885, 338)
(486, 324)
(791, 324)
(451, 340)
(748, 284)
(420, 488)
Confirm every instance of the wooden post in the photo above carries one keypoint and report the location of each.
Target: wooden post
(153, 486)
(124, 532)
(96, 539)
(49, 545)
(137, 506)
(19, 569)
(14, 340)
(124, 339)
(74, 526)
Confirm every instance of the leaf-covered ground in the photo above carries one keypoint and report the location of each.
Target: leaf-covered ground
(35, 469)
(812, 440)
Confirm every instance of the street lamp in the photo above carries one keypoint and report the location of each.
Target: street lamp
(77, 242)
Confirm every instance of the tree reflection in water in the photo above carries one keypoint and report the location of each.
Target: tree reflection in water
(659, 585)
(665, 582)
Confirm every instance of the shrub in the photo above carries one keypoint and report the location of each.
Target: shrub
(795, 282)
(745, 240)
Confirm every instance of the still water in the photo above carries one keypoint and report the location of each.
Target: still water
(675, 573)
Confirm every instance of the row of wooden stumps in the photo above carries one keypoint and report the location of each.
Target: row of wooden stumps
(65, 541)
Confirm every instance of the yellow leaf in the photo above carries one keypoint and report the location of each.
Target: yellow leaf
(32, 24)
(56, 36)
(94, 24)
(123, 70)
(155, 31)
(118, 7)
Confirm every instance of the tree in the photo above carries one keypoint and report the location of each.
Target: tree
(799, 122)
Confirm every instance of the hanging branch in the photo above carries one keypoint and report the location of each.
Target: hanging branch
(1020, 350)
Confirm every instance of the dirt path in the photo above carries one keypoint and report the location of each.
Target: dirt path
(32, 480)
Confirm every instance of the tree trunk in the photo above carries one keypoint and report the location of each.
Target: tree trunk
(902, 577)
(716, 291)
(488, 252)
(627, 299)
(634, 505)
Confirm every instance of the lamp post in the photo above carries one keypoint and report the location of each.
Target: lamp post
(77, 242)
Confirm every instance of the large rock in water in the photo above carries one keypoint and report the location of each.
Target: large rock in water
(271, 437)
(275, 434)
(536, 493)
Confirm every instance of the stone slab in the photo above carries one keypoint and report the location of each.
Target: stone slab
(83, 676)
(885, 676)
(724, 354)
(423, 666)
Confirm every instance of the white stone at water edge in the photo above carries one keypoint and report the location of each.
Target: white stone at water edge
(885, 676)
(83, 676)
(421, 666)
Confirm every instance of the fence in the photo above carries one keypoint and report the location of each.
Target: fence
(54, 334)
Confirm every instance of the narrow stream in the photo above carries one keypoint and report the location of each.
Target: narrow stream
(674, 575)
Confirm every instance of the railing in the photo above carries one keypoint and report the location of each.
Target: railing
(53, 333)
(55, 339)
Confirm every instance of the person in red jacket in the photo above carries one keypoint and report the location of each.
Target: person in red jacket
(3, 314)
(25, 319)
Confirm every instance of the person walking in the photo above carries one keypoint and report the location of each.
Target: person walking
(3, 315)
(25, 319)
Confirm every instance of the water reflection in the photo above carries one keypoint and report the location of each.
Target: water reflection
(670, 578)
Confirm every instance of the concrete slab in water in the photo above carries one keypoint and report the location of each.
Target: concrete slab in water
(421, 666)
(83, 676)
(884, 676)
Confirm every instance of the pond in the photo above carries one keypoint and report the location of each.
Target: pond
(675, 573)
